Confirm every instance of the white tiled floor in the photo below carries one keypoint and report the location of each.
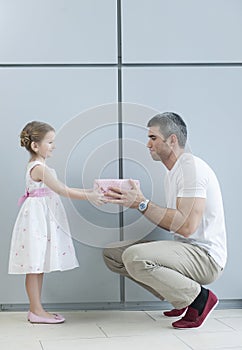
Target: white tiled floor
(144, 330)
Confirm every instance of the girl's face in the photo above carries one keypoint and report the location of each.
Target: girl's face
(46, 146)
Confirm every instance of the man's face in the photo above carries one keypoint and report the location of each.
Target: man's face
(158, 145)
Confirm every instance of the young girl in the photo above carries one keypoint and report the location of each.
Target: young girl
(41, 240)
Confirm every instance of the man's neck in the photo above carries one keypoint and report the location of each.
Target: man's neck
(171, 161)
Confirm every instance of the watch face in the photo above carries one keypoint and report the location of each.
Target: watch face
(142, 206)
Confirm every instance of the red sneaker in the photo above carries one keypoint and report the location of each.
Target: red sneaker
(175, 312)
(192, 319)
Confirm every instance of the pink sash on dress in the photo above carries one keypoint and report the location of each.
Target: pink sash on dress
(39, 192)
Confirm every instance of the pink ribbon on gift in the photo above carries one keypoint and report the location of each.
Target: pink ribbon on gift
(39, 192)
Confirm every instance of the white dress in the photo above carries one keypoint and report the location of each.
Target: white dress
(41, 239)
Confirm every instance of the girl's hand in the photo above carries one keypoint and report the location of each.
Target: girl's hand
(96, 196)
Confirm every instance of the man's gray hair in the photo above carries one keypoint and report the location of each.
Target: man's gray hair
(170, 123)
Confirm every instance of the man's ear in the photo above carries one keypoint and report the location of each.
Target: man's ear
(173, 139)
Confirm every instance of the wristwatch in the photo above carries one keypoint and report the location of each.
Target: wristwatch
(143, 205)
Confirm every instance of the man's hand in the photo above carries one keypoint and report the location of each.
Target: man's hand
(128, 198)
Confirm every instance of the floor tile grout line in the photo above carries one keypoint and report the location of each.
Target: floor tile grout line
(153, 318)
(100, 327)
(222, 322)
(66, 339)
(183, 342)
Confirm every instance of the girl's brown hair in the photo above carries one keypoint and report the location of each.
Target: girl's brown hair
(34, 132)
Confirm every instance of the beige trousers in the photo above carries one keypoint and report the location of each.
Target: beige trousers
(171, 270)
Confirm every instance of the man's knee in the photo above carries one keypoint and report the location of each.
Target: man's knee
(108, 257)
(129, 256)
(137, 262)
(106, 253)
(112, 257)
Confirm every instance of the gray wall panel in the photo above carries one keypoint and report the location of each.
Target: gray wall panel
(78, 102)
(209, 99)
(53, 31)
(182, 31)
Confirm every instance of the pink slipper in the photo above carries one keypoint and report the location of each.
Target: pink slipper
(38, 319)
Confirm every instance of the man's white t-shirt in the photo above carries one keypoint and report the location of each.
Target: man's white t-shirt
(192, 177)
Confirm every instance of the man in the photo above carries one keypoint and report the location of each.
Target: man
(176, 270)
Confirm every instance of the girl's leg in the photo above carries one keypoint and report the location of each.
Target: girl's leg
(33, 283)
(40, 282)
